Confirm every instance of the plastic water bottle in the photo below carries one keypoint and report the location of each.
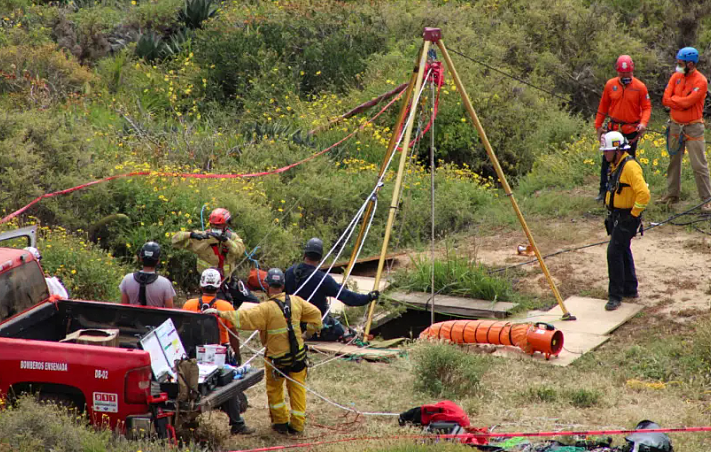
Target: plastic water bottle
(242, 371)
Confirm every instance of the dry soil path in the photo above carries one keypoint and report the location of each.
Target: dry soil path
(672, 264)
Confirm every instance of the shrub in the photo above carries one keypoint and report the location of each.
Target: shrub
(40, 426)
(443, 370)
(31, 426)
(34, 70)
(160, 16)
(541, 393)
(584, 398)
(37, 151)
(88, 272)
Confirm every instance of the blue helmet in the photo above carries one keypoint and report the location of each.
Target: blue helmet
(688, 54)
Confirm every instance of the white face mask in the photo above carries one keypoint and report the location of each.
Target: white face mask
(680, 69)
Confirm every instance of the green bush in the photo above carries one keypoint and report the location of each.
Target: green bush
(584, 398)
(41, 74)
(160, 16)
(541, 393)
(88, 272)
(445, 371)
(40, 153)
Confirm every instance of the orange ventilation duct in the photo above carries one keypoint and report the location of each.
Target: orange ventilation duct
(529, 337)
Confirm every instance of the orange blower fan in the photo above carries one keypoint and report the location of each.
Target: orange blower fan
(529, 337)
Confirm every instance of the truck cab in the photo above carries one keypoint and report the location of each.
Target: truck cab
(115, 385)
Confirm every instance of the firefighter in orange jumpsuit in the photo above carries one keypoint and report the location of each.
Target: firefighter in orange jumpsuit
(625, 101)
(685, 95)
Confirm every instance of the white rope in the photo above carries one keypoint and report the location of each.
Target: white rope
(360, 248)
(248, 339)
(360, 212)
(351, 226)
(325, 399)
(337, 356)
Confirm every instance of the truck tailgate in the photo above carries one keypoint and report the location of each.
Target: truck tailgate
(225, 393)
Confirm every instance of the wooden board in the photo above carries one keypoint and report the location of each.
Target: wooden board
(447, 304)
(370, 354)
(591, 316)
(575, 345)
(387, 343)
(364, 284)
(365, 260)
(591, 329)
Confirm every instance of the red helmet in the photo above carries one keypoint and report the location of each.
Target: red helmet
(624, 64)
(220, 217)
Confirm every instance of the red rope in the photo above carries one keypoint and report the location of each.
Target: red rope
(483, 435)
(200, 176)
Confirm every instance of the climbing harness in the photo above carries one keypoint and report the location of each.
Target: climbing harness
(667, 133)
(614, 186)
(295, 358)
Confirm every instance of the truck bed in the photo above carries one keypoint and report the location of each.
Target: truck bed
(52, 321)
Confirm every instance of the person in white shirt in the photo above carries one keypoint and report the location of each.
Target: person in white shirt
(55, 285)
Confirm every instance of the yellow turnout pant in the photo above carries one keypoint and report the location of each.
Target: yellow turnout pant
(297, 398)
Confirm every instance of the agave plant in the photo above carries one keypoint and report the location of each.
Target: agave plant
(195, 12)
(175, 44)
(150, 46)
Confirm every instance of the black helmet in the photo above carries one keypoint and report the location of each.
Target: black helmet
(649, 441)
(275, 278)
(150, 254)
(314, 247)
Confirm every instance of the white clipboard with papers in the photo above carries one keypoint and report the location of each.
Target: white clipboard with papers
(165, 347)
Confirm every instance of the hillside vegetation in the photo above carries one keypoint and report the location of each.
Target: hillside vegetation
(91, 89)
(96, 88)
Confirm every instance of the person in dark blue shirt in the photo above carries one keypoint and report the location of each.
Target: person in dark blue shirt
(318, 295)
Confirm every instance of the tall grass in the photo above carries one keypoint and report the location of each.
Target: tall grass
(455, 274)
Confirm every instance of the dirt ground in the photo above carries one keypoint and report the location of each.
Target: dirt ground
(671, 262)
(671, 266)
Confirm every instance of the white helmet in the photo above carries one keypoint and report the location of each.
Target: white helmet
(210, 278)
(613, 141)
(35, 252)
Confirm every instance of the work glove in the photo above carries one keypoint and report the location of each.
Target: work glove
(374, 295)
(197, 236)
(212, 311)
(219, 237)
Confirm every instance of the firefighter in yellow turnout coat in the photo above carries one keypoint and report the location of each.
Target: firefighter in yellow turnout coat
(284, 348)
(627, 196)
(218, 248)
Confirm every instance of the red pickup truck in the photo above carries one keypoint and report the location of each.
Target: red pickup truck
(114, 384)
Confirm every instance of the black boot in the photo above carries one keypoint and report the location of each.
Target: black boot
(281, 428)
(612, 305)
(242, 430)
